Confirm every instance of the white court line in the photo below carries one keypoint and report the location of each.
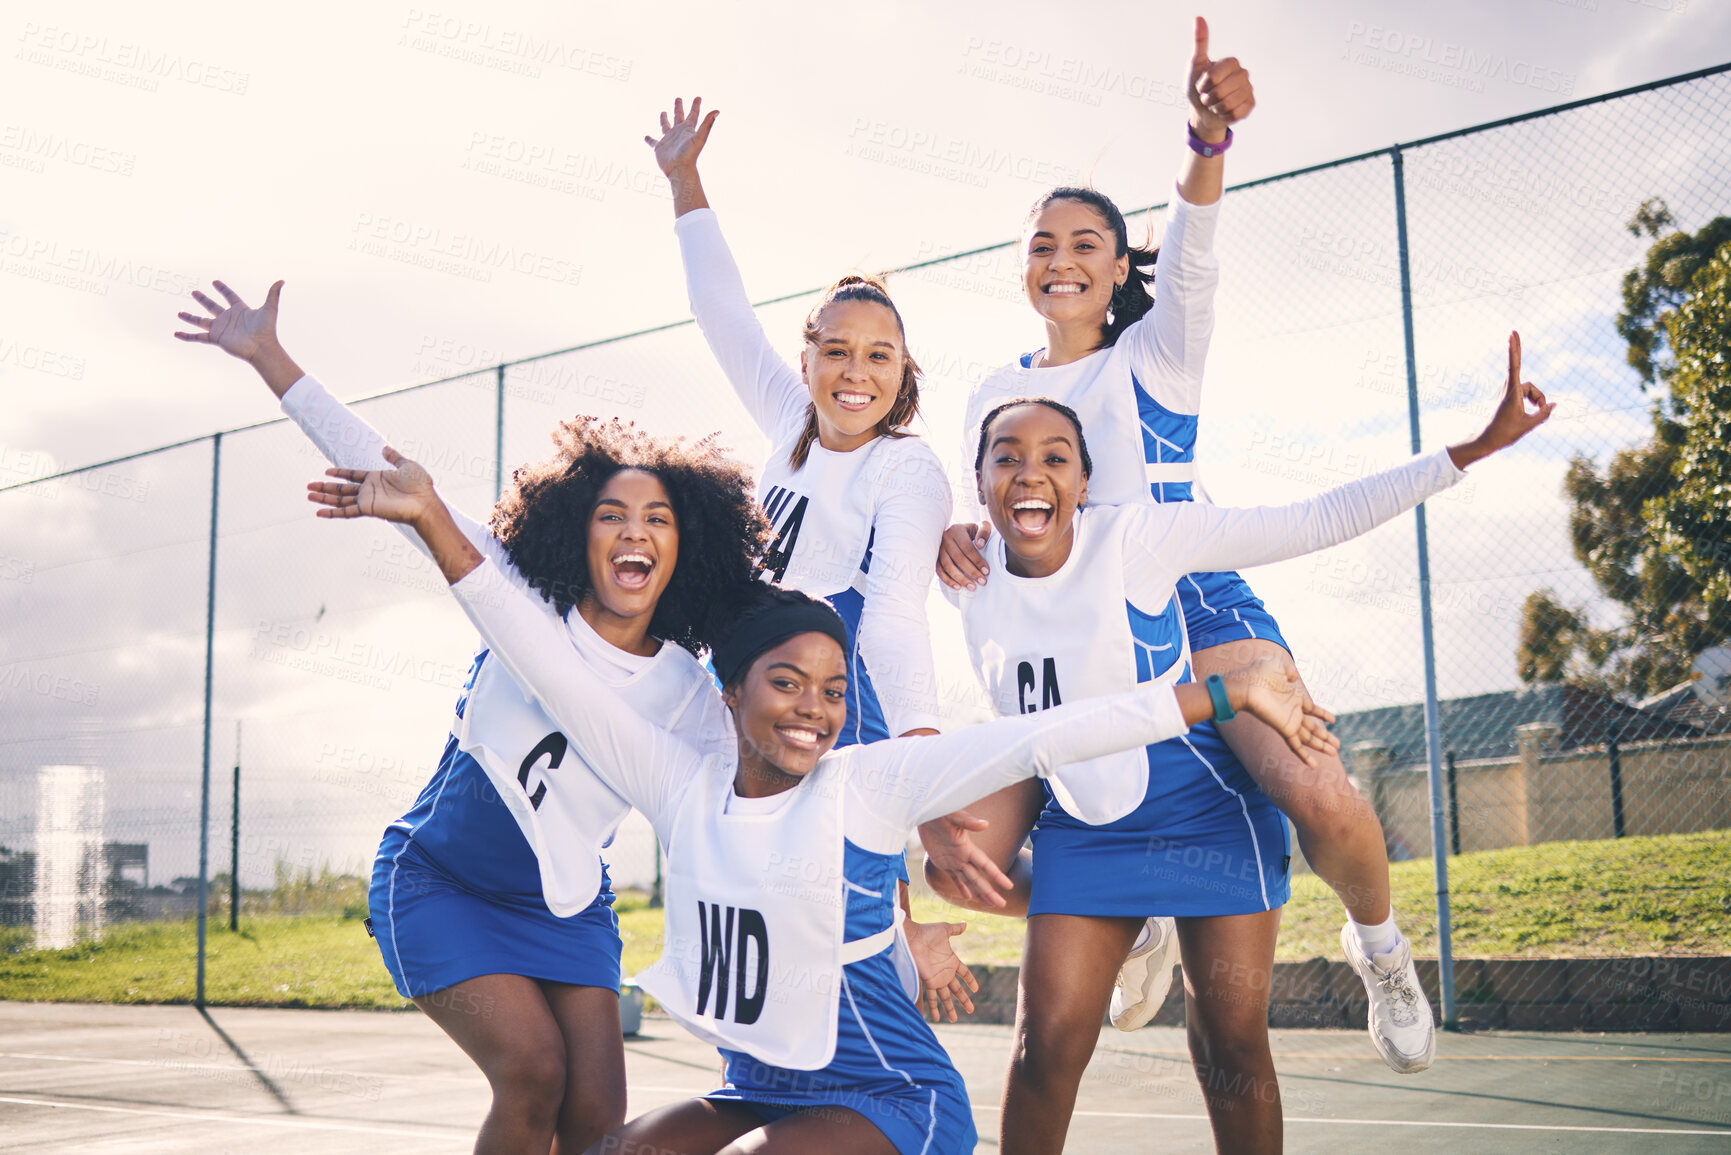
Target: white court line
(243, 1120)
(290, 1073)
(1402, 1123)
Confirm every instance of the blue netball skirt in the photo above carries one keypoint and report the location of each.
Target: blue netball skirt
(1220, 608)
(434, 932)
(1205, 841)
(888, 1067)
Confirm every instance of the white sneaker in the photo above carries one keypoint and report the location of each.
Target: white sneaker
(1400, 1023)
(1145, 977)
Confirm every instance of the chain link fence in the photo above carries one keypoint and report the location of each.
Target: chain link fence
(1557, 676)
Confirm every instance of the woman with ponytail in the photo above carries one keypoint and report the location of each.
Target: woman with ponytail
(856, 503)
(1127, 334)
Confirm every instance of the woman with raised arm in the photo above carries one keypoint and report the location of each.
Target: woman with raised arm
(780, 908)
(857, 503)
(616, 545)
(1131, 365)
(1083, 603)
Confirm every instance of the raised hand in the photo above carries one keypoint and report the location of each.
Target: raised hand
(234, 328)
(1220, 92)
(1512, 420)
(944, 978)
(683, 137)
(1271, 690)
(403, 494)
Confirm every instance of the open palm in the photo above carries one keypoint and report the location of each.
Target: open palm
(1274, 693)
(234, 328)
(402, 494)
(682, 137)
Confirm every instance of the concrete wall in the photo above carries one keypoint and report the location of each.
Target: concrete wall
(1544, 796)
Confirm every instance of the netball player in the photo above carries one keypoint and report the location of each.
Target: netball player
(1132, 368)
(783, 851)
(856, 502)
(1082, 603)
(617, 541)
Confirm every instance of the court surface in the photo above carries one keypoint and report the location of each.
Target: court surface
(146, 1080)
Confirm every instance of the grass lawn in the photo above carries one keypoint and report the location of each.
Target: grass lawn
(1662, 895)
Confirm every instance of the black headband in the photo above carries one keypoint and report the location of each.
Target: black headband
(766, 630)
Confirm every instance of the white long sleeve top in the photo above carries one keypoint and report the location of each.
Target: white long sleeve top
(868, 521)
(502, 724)
(1138, 399)
(1108, 619)
(891, 786)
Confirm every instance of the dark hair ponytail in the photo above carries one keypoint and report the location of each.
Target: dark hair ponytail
(1132, 299)
(858, 287)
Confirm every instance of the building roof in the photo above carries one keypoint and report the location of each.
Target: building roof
(1483, 726)
(1686, 703)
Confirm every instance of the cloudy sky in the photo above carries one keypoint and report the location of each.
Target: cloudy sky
(444, 187)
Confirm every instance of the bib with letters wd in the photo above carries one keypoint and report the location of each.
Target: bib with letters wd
(756, 909)
(1040, 642)
(566, 813)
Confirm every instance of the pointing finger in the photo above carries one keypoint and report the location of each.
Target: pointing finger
(1514, 358)
(1200, 56)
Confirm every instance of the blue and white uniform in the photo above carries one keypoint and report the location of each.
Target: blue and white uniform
(1139, 402)
(1179, 828)
(858, 529)
(461, 885)
(779, 944)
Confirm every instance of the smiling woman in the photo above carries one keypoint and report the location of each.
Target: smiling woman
(780, 944)
(856, 503)
(618, 542)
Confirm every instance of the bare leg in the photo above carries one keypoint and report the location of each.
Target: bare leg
(594, 1101)
(694, 1127)
(503, 1022)
(1337, 829)
(832, 1130)
(1068, 966)
(1228, 963)
(702, 1127)
(1012, 812)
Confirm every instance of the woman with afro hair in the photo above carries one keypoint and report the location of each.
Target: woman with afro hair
(515, 953)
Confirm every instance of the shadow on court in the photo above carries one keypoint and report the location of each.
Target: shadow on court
(170, 1079)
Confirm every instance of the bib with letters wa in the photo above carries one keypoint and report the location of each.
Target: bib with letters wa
(756, 909)
(566, 813)
(1040, 642)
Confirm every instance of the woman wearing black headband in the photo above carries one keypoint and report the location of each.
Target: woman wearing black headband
(781, 900)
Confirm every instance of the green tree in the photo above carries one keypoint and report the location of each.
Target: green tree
(1654, 529)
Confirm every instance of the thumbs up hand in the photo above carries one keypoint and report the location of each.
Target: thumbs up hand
(1220, 92)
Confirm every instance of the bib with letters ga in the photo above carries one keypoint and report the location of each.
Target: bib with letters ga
(1075, 634)
(756, 910)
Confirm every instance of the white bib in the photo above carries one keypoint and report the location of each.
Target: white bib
(566, 813)
(756, 910)
(821, 516)
(1041, 642)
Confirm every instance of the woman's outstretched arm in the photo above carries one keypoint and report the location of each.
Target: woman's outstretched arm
(907, 781)
(634, 757)
(1183, 537)
(769, 388)
(343, 436)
